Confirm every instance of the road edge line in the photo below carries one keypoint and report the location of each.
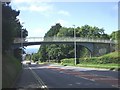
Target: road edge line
(39, 80)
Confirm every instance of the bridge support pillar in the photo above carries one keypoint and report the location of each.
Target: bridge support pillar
(100, 49)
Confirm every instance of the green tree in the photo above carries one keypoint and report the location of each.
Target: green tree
(116, 36)
(53, 30)
(61, 51)
(11, 28)
(35, 57)
(42, 53)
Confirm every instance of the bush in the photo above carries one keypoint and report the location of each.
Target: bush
(68, 61)
(105, 59)
(100, 60)
(92, 60)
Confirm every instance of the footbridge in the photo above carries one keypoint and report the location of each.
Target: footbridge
(97, 47)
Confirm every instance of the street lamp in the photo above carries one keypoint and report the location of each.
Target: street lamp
(75, 43)
(22, 43)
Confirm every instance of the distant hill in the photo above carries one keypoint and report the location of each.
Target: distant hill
(31, 50)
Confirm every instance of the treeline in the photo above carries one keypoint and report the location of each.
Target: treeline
(11, 29)
(56, 52)
(11, 57)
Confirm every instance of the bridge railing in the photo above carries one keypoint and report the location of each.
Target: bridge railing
(60, 39)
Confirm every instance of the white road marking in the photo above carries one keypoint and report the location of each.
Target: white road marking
(42, 85)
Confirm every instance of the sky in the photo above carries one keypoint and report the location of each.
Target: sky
(38, 17)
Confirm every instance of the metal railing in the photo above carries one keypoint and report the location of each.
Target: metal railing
(60, 39)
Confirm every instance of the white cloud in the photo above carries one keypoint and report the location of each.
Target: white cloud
(36, 8)
(39, 8)
(37, 32)
(62, 12)
(33, 5)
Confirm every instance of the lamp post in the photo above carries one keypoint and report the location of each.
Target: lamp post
(22, 43)
(21, 49)
(75, 43)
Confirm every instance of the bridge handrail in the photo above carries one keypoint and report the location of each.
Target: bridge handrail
(55, 39)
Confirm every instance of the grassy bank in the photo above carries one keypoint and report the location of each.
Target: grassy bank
(108, 61)
(10, 69)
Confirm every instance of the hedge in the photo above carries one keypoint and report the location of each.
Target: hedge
(100, 60)
(68, 61)
(93, 60)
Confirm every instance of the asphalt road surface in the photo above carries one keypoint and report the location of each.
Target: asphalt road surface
(56, 76)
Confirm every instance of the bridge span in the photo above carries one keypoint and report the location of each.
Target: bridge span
(61, 39)
(97, 47)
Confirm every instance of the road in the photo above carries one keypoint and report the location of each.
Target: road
(57, 76)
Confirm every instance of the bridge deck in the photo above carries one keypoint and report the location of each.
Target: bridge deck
(60, 40)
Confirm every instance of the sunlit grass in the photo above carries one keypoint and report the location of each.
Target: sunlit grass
(112, 54)
(106, 66)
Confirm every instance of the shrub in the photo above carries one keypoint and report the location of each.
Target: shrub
(92, 60)
(68, 61)
(105, 59)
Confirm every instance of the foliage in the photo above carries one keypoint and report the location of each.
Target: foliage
(115, 35)
(105, 59)
(35, 57)
(17, 53)
(11, 26)
(42, 53)
(53, 30)
(61, 51)
(28, 57)
(67, 61)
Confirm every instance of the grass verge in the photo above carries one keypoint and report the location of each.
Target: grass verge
(10, 69)
(108, 61)
(103, 66)
(115, 67)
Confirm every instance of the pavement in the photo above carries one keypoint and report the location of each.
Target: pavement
(26, 79)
